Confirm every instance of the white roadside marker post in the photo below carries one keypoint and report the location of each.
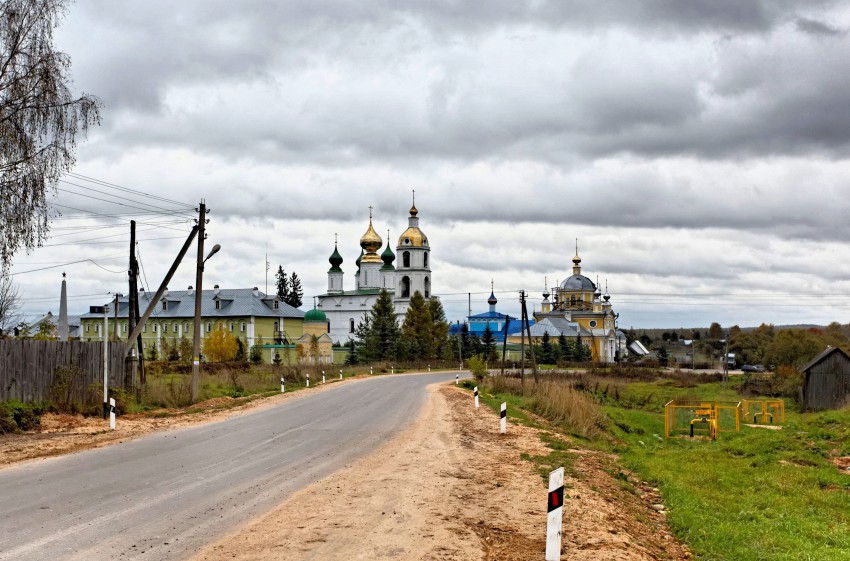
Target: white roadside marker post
(555, 516)
(340, 374)
(475, 392)
(457, 379)
(282, 388)
(429, 368)
(323, 376)
(111, 413)
(308, 379)
(392, 369)
(503, 420)
(370, 371)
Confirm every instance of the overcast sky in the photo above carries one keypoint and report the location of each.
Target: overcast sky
(698, 150)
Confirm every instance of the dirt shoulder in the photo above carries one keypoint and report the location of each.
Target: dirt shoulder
(452, 488)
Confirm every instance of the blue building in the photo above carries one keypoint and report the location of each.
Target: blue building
(478, 323)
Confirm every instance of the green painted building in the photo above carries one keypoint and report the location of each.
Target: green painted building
(250, 315)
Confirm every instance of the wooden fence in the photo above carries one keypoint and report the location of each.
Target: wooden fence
(60, 372)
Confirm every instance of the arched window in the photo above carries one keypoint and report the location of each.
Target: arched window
(405, 287)
(275, 326)
(405, 259)
(351, 325)
(425, 255)
(427, 286)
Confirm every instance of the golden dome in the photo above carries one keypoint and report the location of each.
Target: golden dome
(371, 242)
(412, 237)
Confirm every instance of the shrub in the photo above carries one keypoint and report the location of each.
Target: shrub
(16, 416)
(478, 367)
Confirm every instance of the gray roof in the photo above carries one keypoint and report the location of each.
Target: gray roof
(555, 327)
(578, 282)
(823, 355)
(235, 302)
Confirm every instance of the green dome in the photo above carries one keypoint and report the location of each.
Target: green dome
(315, 316)
(335, 260)
(359, 259)
(388, 257)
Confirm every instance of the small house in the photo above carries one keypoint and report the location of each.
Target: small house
(826, 380)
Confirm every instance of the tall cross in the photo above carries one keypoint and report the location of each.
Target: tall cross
(370, 216)
(491, 285)
(335, 238)
(414, 197)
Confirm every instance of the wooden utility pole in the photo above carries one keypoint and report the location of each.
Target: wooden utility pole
(133, 306)
(522, 338)
(526, 328)
(115, 323)
(505, 342)
(199, 282)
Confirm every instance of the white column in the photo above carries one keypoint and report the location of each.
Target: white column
(554, 518)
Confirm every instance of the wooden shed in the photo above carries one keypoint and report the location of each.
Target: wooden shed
(826, 380)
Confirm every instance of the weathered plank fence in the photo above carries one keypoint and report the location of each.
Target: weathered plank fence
(58, 371)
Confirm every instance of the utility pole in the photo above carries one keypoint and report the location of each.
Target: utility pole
(105, 361)
(505, 342)
(115, 323)
(199, 281)
(526, 327)
(460, 344)
(522, 338)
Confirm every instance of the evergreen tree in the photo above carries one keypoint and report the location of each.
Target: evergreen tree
(352, 357)
(295, 292)
(475, 346)
(240, 350)
(464, 340)
(381, 332)
(488, 343)
(282, 284)
(417, 329)
(547, 353)
(562, 351)
(439, 328)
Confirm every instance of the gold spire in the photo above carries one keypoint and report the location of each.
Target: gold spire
(371, 242)
(413, 211)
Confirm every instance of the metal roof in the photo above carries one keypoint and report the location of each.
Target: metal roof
(235, 302)
(578, 282)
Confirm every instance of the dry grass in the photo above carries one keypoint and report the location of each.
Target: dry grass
(558, 400)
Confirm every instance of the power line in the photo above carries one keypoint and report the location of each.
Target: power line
(127, 189)
(59, 265)
(166, 210)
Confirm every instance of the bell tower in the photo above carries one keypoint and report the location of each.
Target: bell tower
(413, 268)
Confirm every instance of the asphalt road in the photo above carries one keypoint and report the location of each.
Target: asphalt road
(166, 495)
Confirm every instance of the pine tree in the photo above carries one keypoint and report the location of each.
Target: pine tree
(417, 329)
(380, 333)
(488, 343)
(562, 351)
(295, 292)
(352, 358)
(475, 346)
(547, 353)
(282, 283)
(439, 328)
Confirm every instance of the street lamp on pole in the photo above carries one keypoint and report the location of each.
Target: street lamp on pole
(199, 281)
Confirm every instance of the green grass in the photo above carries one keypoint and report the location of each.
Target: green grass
(754, 495)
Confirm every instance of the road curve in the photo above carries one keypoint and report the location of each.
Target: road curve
(164, 496)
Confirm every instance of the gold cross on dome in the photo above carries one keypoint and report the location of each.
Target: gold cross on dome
(370, 212)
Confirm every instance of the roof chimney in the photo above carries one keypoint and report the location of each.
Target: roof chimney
(216, 290)
(256, 292)
(165, 292)
(191, 290)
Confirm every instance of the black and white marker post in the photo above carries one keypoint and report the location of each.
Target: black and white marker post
(111, 413)
(555, 515)
(457, 378)
(340, 374)
(503, 421)
(323, 376)
(308, 379)
(282, 388)
(475, 393)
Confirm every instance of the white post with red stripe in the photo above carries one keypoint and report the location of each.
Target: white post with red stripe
(503, 421)
(475, 392)
(111, 414)
(555, 516)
